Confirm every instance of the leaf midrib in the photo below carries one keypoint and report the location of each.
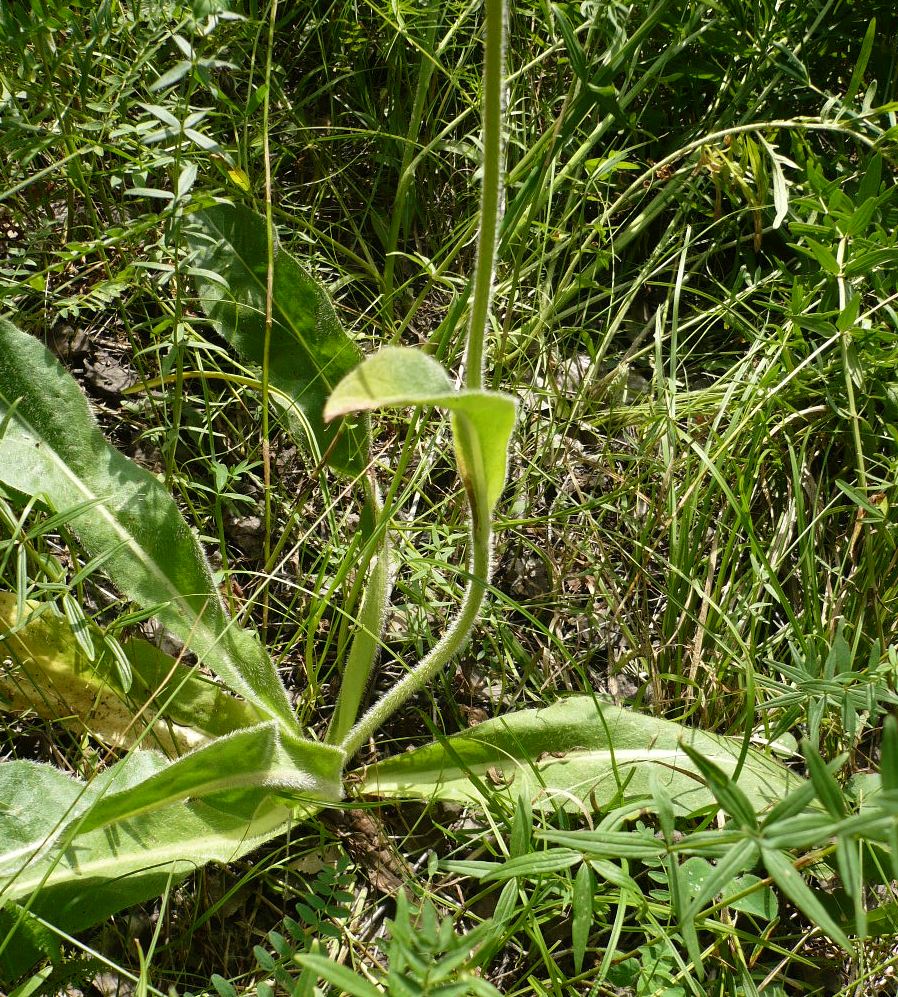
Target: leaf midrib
(86, 488)
(244, 833)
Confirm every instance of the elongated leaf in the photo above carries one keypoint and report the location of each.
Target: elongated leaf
(613, 873)
(338, 976)
(52, 447)
(780, 184)
(857, 75)
(397, 377)
(574, 49)
(76, 852)
(726, 792)
(184, 696)
(44, 669)
(825, 783)
(641, 844)
(889, 767)
(255, 758)
(77, 883)
(309, 350)
(581, 923)
(790, 881)
(42, 807)
(577, 752)
(365, 645)
(535, 864)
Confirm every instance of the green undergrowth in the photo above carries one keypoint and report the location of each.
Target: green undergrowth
(695, 307)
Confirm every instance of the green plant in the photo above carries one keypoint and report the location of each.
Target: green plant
(712, 499)
(320, 913)
(149, 818)
(424, 955)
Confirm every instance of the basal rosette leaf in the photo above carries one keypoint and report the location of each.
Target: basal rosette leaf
(258, 758)
(45, 813)
(74, 883)
(309, 350)
(576, 753)
(74, 852)
(52, 447)
(45, 670)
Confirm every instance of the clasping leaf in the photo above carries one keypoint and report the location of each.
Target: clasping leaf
(482, 420)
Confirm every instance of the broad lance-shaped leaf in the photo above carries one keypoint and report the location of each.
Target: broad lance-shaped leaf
(573, 753)
(254, 758)
(86, 850)
(396, 377)
(309, 350)
(44, 669)
(113, 867)
(52, 447)
(258, 759)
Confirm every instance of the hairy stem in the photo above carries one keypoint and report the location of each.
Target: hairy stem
(269, 296)
(453, 640)
(459, 630)
(491, 192)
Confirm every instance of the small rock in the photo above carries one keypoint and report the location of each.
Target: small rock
(622, 688)
(68, 343)
(113, 985)
(248, 532)
(108, 376)
(526, 577)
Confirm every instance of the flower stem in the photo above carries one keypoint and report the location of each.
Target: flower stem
(491, 191)
(452, 641)
(459, 631)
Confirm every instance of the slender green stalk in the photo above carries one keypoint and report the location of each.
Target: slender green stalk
(269, 297)
(491, 192)
(459, 631)
(451, 643)
(366, 641)
(844, 341)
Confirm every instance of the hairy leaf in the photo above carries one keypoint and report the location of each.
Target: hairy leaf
(75, 882)
(255, 758)
(576, 753)
(33, 941)
(75, 852)
(52, 447)
(309, 350)
(483, 420)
